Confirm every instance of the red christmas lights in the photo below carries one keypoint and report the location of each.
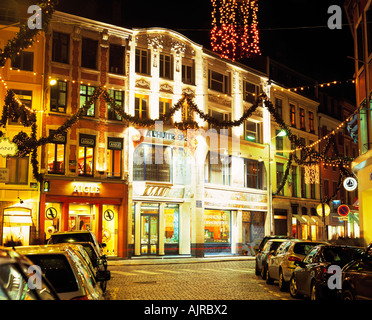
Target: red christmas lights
(234, 33)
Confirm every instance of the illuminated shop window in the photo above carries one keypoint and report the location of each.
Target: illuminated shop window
(216, 226)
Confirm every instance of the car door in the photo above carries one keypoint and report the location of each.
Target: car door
(363, 279)
(303, 275)
(276, 259)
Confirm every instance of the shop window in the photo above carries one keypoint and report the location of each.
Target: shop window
(166, 66)
(143, 61)
(89, 48)
(60, 47)
(25, 97)
(218, 168)
(216, 226)
(56, 154)
(16, 226)
(253, 172)
(114, 157)
(252, 131)
(86, 93)
(152, 163)
(109, 226)
(171, 238)
(116, 59)
(188, 71)
(24, 61)
(118, 98)
(141, 106)
(53, 212)
(82, 217)
(58, 97)
(86, 154)
(18, 170)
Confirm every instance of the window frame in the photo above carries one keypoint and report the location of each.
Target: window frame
(87, 96)
(139, 110)
(57, 91)
(18, 165)
(142, 61)
(116, 59)
(111, 114)
(115, 144)
(57, 141)
(225, 82)
(21, 59)
(86, 146)
(61, 47)
(89, 53)
(166, 66)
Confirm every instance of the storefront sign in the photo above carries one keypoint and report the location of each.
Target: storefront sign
(108, 215)
(51, 213)
(4, 175)
(164, 135)
(115, 143)
(7, 148)
(86, 188)
(87, 140)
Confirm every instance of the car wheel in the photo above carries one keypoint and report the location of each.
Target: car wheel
(268, 279)
(314, 292)
(283, 285)
(293, 288)
(347, 295)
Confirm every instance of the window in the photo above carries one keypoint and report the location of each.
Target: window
(25, 97)
(118, 97)
(141, 106)
(253, 172)
(116, 59)
(114, 157)
(142, 61)
(56, 154)
(369, 29)
(217, 226)
(152, 163)
(188, 71)
(89, 49)
(87, 144)
(58, 97)
(220, 116)
(292, 115)
(279, 176)
(302, 119)
(252, 131)
(303, 184)
(279, 143)
(60, 47)
(279, 106)
(218, 168)
(164, 107)
(166, 66)
(18, 170)
(294, 181)
(360, 45)
(219, 82)
(251, 92)
(85, 93)
(311, 122)
(24, 61)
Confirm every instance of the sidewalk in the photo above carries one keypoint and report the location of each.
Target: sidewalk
(174, 260)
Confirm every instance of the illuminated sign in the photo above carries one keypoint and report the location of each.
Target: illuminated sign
(86, 188)
(164, 135)
(7, 148)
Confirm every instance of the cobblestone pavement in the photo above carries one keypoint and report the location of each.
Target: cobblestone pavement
(227, 280)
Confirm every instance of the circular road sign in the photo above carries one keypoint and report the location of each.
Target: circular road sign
(350, 184)
(343, 210)
(51, 213)
(327, 210)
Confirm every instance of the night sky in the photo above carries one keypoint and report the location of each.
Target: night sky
(293, 32)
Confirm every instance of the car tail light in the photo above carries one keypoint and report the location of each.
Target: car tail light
(81, 298)
(293, 258)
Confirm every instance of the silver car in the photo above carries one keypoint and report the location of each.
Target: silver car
(281, 263)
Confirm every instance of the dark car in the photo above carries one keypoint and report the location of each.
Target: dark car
(259, 248)
(311, 276)
(78, 236)
(262, 257)
(357, 278)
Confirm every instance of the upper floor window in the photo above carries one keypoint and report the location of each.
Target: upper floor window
(166, 66)
(25, 97)
(118, 97)
(188, 71)
(253, 173)
(164, 107)
(220, 116)
(251, 92)
(142, 61)
(311, 122)
(141, 106)
(56, 154)
(219, 82)
(116, 59)
(60, 47)
(18, 170)
(302, 119)
(279, 106)
(114, 157)
(85, 94)
(279, 176)
(58, 97)
(252, 131)
(24, 61)
(89, 48)
(87, 145)
(217, 168)
(292, 115)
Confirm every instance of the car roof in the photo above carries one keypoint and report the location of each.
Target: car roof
(43, 249)
(70, 232)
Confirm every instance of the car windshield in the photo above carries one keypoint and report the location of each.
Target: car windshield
(304, 247)
(57, 270)
(341, 254)
(69, 238)
(275, 245)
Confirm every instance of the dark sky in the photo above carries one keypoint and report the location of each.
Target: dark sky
(293, 32)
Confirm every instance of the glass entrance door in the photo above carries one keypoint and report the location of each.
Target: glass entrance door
(149, 234)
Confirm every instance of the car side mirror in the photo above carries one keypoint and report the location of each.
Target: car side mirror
(103, 275)
(103, 245)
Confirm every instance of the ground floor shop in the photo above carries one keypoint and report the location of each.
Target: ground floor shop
(100, 207)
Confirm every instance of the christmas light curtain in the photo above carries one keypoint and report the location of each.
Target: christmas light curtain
(234, 33)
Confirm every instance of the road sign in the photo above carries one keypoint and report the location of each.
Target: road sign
(350, 184)
(327, 210)
(51, 213)
(343, 210)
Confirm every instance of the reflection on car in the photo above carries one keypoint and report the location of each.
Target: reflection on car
(311, 276)
(66, 270)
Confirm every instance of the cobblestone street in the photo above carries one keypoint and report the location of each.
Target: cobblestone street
(226, 280)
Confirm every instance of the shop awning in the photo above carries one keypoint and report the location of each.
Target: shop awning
(299, 219)
(17, 217)
(308, 219)
(318, 220)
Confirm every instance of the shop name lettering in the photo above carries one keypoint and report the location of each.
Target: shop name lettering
(156, 191)
(164, 135)
(195, 310)
(85, 188)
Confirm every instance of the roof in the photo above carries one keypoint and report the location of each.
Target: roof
(42, 249)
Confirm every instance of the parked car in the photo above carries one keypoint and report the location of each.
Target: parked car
(282, 264)
(356, 280)
(259, 248)
(67, 271)
(262, 257)
(94, 261)
(79, 236)
(18, 283)
(311, 276)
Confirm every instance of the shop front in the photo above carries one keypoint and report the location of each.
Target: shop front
(100, 207)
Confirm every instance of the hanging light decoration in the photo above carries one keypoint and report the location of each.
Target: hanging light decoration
(234, 33)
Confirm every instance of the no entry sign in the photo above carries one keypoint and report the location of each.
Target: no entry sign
(343, 210)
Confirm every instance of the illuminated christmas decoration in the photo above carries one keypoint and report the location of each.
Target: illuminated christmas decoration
(234, 33)
(312, 174)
